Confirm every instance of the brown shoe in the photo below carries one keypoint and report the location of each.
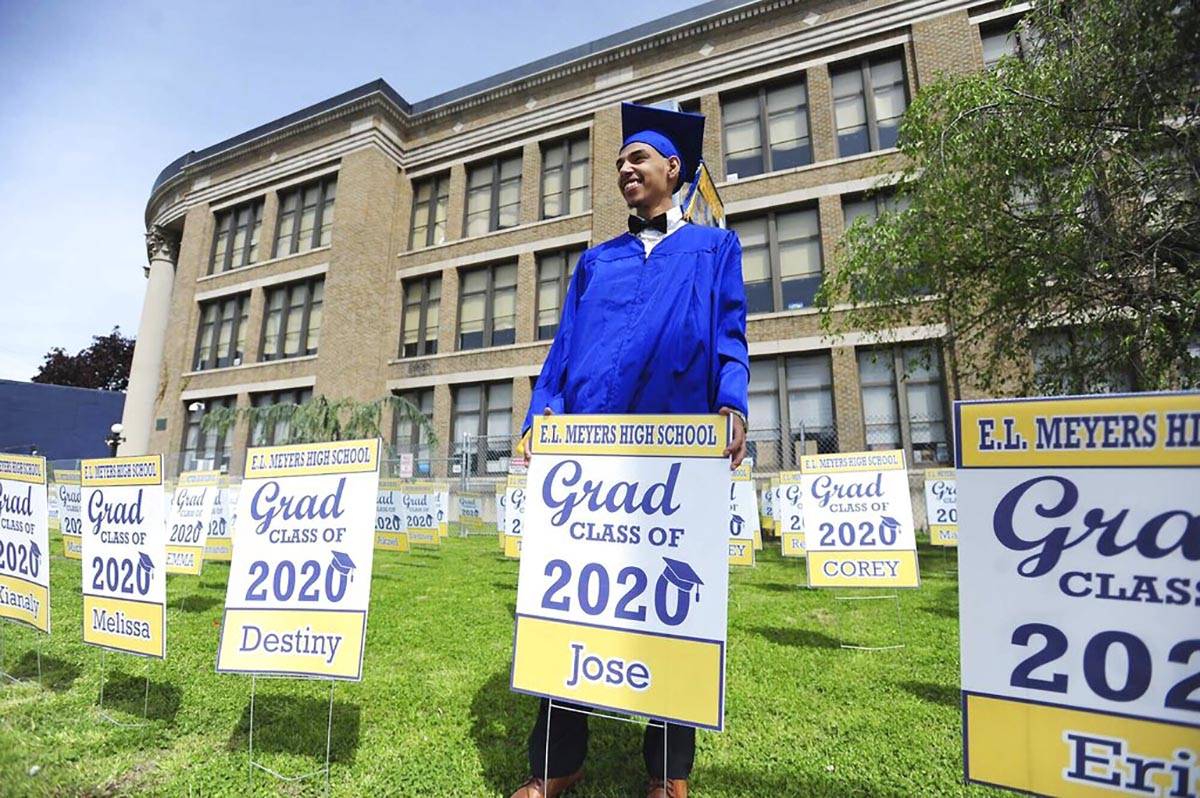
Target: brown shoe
(534, 787)
(671, 788)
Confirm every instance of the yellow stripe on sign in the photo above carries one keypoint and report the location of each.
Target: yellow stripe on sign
(117, 471)
(943, 534)
(23, 468)
(891, 460)
(758, 539)
(934, 474)
(199, 479)
(863, 569)
(787, 478)
(660, 677)
(1115, 431)
(1072, 753)
(25, 601)
(793, 544)
(187, 560)
(512, 546)
(73, 547)
(741, 552)
(138, 627)
(424, 537)
(634, 436)
(218, 549)
(391, 541)
(324, 643)
(312, 459)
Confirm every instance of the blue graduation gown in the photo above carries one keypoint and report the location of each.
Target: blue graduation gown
(664, 333)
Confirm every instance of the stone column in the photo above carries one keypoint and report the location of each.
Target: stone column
(162, 248)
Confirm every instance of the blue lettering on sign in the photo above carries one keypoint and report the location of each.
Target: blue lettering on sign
(824, 489)
(121, 513)
(622, 496)
(268, 504)
(613, 671)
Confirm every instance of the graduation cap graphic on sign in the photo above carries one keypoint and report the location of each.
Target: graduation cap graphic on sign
(889, 523)
(682, 575)
(35, 554)
(736, 524)
(343, 564)
(145, 562)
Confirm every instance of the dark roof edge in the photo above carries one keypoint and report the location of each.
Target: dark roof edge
(619, 39)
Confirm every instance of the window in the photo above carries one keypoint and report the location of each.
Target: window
(1080, 360)
(781, 259)
(487, 307)
(275, 432)
(292, 326)
(803, 412)
(410, 437)
(1003, 38)
(904, 401)
(205, 449)
(306, 217)
(862, 125)
(431, 200)
(493, 194)
(221, 340)
(566, 177)
(235, 241)
(554, 275)
(419, 324)
(810, 400)
(871, 206)
(482, 427)
(782, 111)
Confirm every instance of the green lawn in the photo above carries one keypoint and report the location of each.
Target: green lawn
(433, 715)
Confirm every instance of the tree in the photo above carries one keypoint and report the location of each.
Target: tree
(1049, 208)
(105, 364)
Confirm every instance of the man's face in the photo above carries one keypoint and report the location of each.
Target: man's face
(644, 176)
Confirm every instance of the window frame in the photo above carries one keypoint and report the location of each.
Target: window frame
(900, 382)
(241, 316)
(306, 316)
(489, 298)
(862, 64)
(759, 93)
(568, 143)
(255, 207)
(414, 443)
(223, 445)
(436, 183)
(426, 280)
(563, 280)
(788, 432)
(323, 184)
(494, 164)
(1008, 26)
(773, 256)
(294, 396)
(481, 457)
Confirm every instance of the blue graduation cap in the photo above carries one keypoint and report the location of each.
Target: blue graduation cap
(891, 523)
(682, 575)
(342, 563)
(144, 561)
(672, 133)
(736, 524)
(34, 551)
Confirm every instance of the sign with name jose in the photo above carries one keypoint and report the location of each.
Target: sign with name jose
(188, 520)
(124, 554)
(623, 586)
(858, 525)
(24, 541)
(300, 580)
(941, 506)
(1079, 580)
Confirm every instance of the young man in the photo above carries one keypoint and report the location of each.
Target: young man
(654, 322)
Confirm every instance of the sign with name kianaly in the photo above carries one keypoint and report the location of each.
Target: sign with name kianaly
(70, 523)
(791, 516)
(218, 546)
(124, 554)
(300, 581)
(623, 586)
(24, 541)
(390, 532)
(514, 514)
(743, 515)
(941, 506)
(423, 513)
(188, 520)
(858, 524)
(1079, 582)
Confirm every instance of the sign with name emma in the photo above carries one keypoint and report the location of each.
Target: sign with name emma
(124, 554)
(188, 520)
(623, 586)
(941, 506)
(858, 525)
(1079, 582)
(24, 541)
(300, 581)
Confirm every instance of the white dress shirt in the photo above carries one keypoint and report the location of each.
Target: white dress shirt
(650, 237)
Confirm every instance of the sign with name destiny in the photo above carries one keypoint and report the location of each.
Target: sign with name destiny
(24, 541)
(1079, 582)
(623, 585)
(300, 581)
(124, 554)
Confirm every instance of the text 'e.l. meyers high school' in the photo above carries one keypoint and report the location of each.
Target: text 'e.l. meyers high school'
(367, 246)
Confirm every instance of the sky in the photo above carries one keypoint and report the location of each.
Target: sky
(100, 96)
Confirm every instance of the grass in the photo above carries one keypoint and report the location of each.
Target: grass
(433, 715)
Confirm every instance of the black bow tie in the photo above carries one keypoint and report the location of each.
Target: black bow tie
(637, 224)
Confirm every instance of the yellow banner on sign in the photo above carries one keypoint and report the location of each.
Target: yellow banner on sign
(793, 544)
(312, 459)
(891, 460)
(645, 436)
(25, 601)
(560, 660)
(199, 479)
(424, 537)
(23, 468)
(758, 539)
(391, 541)
(187, 560)
(136, 627)
(112, 472)
(218, 549)
(1116, 431)
(73, 547)
(888, 568)
(943, 534)
(321, 643)
(512, 546)
(1050, 750)
(741, 551)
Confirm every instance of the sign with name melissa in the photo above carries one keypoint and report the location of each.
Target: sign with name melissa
(623, 586)
(300, 581)
(24, 541)
(1079, 583)
(124, 554)
(941, 506)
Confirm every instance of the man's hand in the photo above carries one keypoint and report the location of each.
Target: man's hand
(736, 450)
(523, 444)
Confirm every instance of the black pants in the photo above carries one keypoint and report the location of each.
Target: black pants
(569, 736)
